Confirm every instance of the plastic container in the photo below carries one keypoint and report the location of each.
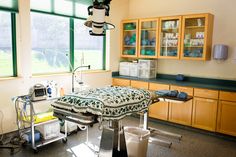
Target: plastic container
(147, 64)
(133, 69)
(124, 68)
(147, 73)
(49, 130)
(136, 141)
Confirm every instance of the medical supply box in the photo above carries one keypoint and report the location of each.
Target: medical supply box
(49, 130)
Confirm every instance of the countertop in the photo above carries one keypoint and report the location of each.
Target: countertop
(208, 83)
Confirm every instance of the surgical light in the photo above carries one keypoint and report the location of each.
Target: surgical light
(96, 19)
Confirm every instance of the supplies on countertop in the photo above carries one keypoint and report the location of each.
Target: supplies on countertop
(142, 69)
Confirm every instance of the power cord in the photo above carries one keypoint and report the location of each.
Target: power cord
(1, 125)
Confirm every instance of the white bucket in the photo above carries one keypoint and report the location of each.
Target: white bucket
(136, 141)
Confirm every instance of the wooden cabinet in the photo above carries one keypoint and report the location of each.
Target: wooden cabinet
(206, 93)
(148, 42)
(139, 84)
(181, 112)
(129, 38)
(204, 113)
(159, 110)
(197, 37)
(120, 82)
(228, 96)
(170, 37)
(226, 122)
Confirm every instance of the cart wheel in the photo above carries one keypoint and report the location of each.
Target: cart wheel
(36, 151)
(64, 140)
(91, 125)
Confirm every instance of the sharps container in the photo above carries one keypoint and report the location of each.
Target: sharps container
(136, 141)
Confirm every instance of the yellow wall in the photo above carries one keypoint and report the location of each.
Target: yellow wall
(224, 33)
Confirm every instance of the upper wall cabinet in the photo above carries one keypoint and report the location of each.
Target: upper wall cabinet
(169, 37)
(129, 38)
(148, 33)
(197, 37)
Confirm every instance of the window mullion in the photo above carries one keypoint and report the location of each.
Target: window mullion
(72, 44)
(14, 55)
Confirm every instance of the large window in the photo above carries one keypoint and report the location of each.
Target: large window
(50, 43)
(59, 43)
(88, 49)
(7, 47)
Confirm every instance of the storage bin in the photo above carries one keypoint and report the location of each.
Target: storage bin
(147, 64)
(147, 73)
(133, 69)
(49, 130)
(124, 68)
(136, 141)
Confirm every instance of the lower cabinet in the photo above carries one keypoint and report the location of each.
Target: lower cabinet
(120, 82)
(204, 113)
(227, 118)
(159, 110)
(181, 112)
(139, 84)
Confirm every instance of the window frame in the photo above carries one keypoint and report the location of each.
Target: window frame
(72, 48)
(71, 44)
(14, 45)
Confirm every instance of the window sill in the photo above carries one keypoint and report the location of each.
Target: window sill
(9, 78)
(69, 73)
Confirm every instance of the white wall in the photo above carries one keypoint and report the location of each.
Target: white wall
(19, 86)
(224, 33)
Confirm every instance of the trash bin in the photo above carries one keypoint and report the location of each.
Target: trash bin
(136, 141)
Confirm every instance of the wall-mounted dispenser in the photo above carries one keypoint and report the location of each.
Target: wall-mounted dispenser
(220, 52)
(234, 54)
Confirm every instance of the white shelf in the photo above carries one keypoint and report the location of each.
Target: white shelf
(45, 142)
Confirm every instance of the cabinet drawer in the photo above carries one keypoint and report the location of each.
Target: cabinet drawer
(226, 118)
(120, 82)
(230, 96)
(206, 93)
(139, 84)
(187, 90)
(156, 86)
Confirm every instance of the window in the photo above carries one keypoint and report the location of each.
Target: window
(7, 45)
(88, 50)
(50, 43)
(58, 43)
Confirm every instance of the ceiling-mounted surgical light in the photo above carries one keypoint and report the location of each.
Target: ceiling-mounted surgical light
(96, 19)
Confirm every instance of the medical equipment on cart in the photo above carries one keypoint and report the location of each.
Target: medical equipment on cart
(38, 92)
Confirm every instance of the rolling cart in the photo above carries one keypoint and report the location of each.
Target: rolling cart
(27, 121)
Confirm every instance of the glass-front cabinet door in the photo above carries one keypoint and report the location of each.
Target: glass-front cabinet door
(148, 33)
(196, 37)
(169, 42)
(129, 38)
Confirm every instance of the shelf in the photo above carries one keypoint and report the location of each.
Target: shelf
(129, 46)
(193, 46)
(132, 30)
(149, 46)
(169, 46)
(45, 142)
(148, 29)
(194, 27)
